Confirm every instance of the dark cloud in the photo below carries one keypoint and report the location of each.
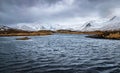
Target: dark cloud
(29, 11)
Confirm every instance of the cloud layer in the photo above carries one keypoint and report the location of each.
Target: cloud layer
(56, 11)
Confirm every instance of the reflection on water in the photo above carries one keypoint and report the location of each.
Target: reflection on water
(59, 54)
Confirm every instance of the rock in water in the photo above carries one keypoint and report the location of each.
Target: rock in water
(23, 38)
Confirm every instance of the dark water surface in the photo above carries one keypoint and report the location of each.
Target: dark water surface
(59, 53)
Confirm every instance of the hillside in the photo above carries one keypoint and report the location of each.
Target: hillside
(7, 31)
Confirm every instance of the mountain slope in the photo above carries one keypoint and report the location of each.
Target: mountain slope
(104, 25)
(4, 28)
(93, 25)
(100, 24)
(112, 25)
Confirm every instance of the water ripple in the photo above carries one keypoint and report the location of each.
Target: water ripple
(59, 54)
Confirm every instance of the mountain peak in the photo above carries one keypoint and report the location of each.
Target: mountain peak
(114, 17)
(3, 28)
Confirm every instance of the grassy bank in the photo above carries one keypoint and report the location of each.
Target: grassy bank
(92, 34)
(107, 35)
(25, 33)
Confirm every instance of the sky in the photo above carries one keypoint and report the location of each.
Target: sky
(56, 11)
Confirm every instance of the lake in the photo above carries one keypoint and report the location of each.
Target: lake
(59, 53)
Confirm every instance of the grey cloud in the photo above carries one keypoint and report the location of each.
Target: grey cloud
(28, 11)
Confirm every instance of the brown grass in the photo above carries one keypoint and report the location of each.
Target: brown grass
(95, 34)
(78, 32)
(107, 35)
(114, 36)
(25, 33)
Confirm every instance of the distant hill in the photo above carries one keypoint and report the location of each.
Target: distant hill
(7, 30)
(112, 25)
(4, 28)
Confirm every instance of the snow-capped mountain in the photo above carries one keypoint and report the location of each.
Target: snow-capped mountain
(4, 28)
(24, 27)
(101, 24)
(93, 25)
(112, 24)
(33, 27)
(36, 27)
(29, 27)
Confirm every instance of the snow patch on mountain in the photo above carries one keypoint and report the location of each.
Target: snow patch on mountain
(35, 27)
(29, 27)
(103, 25)
(100, 24)
(4, 28)
(112, 24)
(94, 25)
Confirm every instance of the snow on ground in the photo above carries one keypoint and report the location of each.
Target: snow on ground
(101, 24)
(3, 28)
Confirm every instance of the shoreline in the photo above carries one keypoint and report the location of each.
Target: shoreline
(114, 35)
(91, 34)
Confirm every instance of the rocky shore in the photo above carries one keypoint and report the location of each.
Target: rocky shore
(107, 35)
(23, 38)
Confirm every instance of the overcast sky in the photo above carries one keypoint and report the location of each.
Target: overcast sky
(56, 11)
